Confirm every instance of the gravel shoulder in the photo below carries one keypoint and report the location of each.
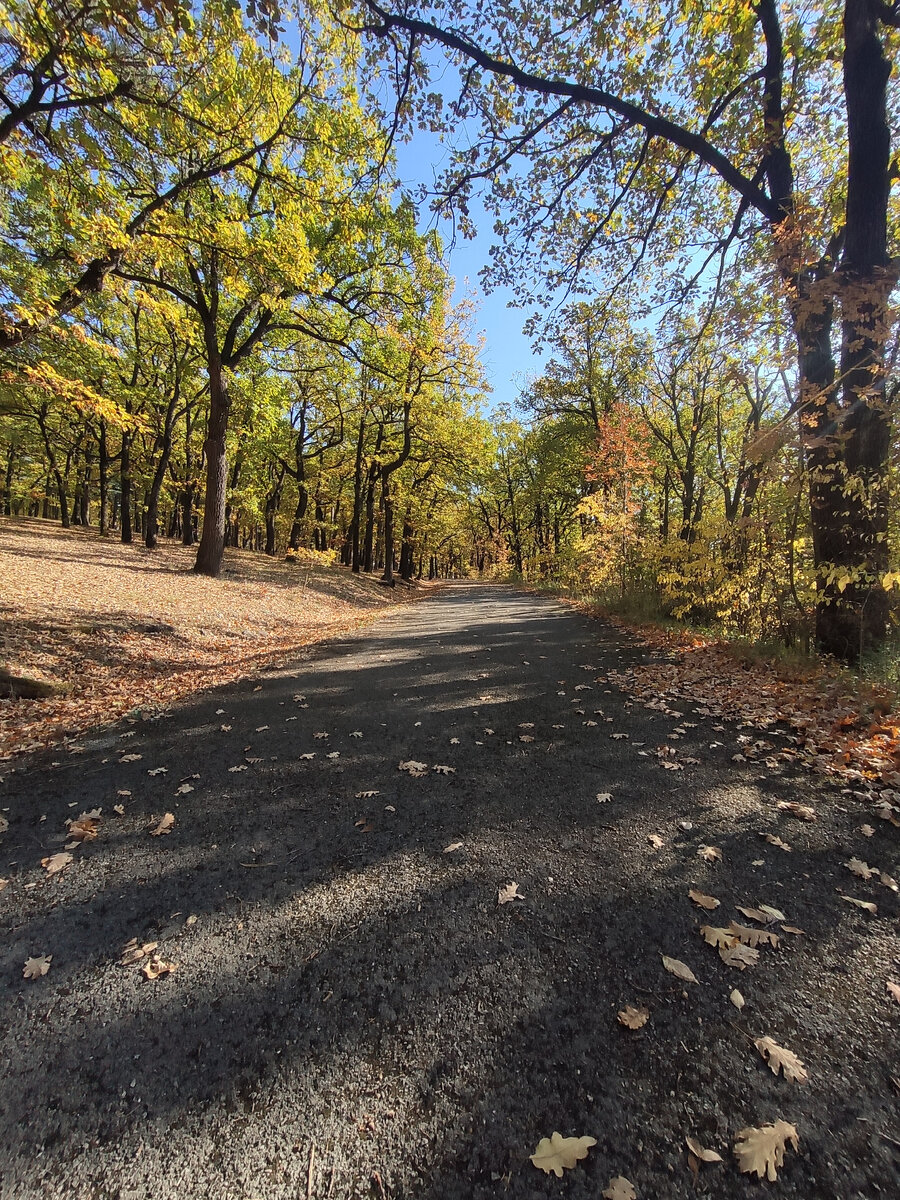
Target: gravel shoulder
(352, 1014)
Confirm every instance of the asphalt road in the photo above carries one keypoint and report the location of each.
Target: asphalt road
(353, 1014)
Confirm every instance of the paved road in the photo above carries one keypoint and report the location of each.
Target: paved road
(352, 1014)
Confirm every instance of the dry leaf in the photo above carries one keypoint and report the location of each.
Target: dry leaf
(604, 797)
(156, 966)
(633, 1018)
(557, 1153)
(655, 841)
(804, 812)
(413, 768)
(184, 789)
(334, 754)
(508, 893)
(710, 854)
(36, 967)
(158, 771)
(164, 826)
(619, 1189)
(525, 737)
(707, 902)
(309, 755)
(525, 725)
(753, 937)
(123, 792)
(120, 809)
(675, 967)
(773, 840)
(126, 758)
(737, 999)
(452, 847)
(3, 883)
(443, 770)
(707, 1156)
(364, 825)
(454, 741)
(793, 929)
(780, 1059)
(739, 956)
(866, 904)
(755, 914)
(860, 868)
(716, 936)
(133, 953)
(356, 733)
(772, 914)
(893, 989)
(320, 736)
(867, 830)
(83, 828)
(56, 863)
(367, 795)
(760, 1151)
(239, 767)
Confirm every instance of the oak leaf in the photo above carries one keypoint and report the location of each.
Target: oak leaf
(780, 1059)
(452, 848)
(866, 904)
(633, 1018)
(707, 1156)
(714, 935)
(36, 967)
(803, 812)
(604, 797)
(557, 1153)
(710, 854)
(760, 1151)
(183, 789)
(164, 826)
(655, 841)
(619, 1189)
(753, 937)
(739, 956)
(676, 967)
(55, 863)
(414, 768)
(860, 868)
(127, 758)
(159, 771)
(83, 828)
(443, 770)
(508, 893)
(893, 989)
(774, 840)
(773, 914)
(356, 733)
(704, 901)
(133, 952)
(367, 795)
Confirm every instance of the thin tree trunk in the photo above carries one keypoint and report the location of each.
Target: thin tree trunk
(212, 538)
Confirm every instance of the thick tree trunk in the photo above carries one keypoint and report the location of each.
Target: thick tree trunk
(212, 538)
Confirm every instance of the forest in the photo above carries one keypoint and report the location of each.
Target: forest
(225, 321)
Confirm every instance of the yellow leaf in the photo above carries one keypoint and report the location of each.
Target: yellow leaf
(554, 1154)
(760, 1151)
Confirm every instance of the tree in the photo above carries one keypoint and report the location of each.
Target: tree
(641, 127)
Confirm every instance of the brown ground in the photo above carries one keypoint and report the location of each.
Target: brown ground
(123, 627)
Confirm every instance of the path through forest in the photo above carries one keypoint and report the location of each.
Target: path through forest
(353, 1014)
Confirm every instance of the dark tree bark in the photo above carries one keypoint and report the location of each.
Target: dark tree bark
(125, 488)
(212, 538)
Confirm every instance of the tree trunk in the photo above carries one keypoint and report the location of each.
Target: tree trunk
(212, 538)
(125, 487)
(151, 532)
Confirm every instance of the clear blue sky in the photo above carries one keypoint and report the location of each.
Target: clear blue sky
(507, 354)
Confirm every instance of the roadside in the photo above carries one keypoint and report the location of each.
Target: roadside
(113, 628)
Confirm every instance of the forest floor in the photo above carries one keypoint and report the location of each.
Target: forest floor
(283, 956)
(121, 627)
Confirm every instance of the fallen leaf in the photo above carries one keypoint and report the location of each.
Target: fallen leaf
(655, 841)
(454, 741)
(56, 863)
(367, 795)
(866, 904)
(83, 828)
(184, 789)
(556, 1153)
(710, 854)
(633, 1018)
(525, 725)
(334, 754)
(707, 1156)
(774, 840)
(525, 737)
(364, 825)
(893, 989)
(356, 733)
(675, 967)
(307, 756)
(860, 868)
(164, 826)
(443, 770)
(36, 967)
(760, 1151)
(133, 952)
(453, 846)
(157, 770)
(867, 830)
(225, 728)
(127, 758)
(619, 1189)
(239, 767)
(804, 812)
(739, 956)
(320, 736)
(737, 999)
(508, 893)
(707, 902)
(123, 792)
(753, 937)
(260, 728)
(618, 737)
(156, 966)
(780, 1059)
(714, 935)
(793, 929)
(3, 884)
(604, 797)
(411, 767)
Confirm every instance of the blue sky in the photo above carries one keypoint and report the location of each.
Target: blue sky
(507, 353)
